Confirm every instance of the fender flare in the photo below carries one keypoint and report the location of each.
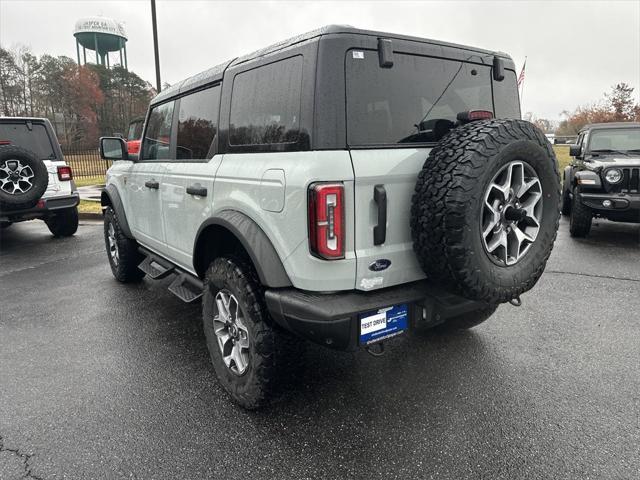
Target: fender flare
(590, 176)
(266, 260)
(111, 197)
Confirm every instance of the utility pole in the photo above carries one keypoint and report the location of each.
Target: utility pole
(155, 43)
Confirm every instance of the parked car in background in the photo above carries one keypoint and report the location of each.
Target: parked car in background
(35, 180)
(341, 187)
(134, 136)
(603, 179)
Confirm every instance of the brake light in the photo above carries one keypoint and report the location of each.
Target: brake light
(326, 220)
(5, 142)
(472, 115)
(64, 173)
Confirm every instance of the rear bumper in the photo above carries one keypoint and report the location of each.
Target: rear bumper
(624, 207)
(333, 319)
(45, 207)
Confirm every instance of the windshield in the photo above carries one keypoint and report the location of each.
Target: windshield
(615, 139)
(35, 138)
(417, 100)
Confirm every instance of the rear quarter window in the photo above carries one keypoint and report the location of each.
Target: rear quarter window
(35, 138)
(265, 104)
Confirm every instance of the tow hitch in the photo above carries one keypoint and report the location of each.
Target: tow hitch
(376, 352)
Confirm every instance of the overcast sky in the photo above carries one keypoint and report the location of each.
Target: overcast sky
(576, 50)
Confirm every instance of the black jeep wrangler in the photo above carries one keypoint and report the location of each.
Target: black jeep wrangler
(603, 179)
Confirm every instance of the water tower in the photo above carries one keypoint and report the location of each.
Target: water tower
(102, 35)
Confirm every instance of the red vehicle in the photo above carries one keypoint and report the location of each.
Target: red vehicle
(133, 136)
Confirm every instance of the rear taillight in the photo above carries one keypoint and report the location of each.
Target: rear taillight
(5, 142)
(64, 173)
(326, 220)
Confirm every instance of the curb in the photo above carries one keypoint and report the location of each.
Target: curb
(89, 216)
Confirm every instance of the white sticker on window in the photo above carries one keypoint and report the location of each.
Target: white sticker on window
(357, 54)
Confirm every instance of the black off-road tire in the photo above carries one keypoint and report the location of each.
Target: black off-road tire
(39, 181)
(466, 320)
(447, 205)
(580, 218)
(63, 223)
(273, 353)
(565, 208)
(125, 269)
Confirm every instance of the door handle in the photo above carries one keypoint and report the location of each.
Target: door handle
(197, 190)
(152, 184)
(380, 230)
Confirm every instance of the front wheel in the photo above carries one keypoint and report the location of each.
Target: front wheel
(63, 223)
(580, 218)
(122, 251)
(250, 355)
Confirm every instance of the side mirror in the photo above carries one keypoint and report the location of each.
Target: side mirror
(113, 148)
(574, 150)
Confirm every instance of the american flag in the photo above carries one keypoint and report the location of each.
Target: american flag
(521, 77)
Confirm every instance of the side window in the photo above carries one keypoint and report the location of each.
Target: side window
(505, 96)
(155, 145)
(265, 104)
(198, 124)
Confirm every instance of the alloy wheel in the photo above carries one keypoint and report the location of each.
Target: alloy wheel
(511, 213)
(15, 178)
(231, 332)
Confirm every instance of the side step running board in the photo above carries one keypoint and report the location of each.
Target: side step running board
(155, 268)
(186, 287)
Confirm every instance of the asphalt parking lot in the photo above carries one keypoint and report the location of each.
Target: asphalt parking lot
(103, 380)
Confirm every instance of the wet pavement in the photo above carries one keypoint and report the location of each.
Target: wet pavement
(103, 380)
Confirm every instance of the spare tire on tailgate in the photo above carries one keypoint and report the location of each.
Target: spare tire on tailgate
(23, 178)
(485, 210)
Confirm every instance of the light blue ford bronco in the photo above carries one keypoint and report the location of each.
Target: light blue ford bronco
(341, 187)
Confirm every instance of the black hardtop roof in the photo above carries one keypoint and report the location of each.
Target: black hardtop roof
(23, 119)
(601, 126)
(215, 73)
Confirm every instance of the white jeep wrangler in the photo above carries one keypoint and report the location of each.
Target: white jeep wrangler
(341, 187)
(35, 180)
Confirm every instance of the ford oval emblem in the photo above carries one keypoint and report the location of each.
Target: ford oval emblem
(379, 265)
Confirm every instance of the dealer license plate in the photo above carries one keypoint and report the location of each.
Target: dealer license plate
(383, 324)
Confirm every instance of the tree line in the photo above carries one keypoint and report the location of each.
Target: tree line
(82, 102)
(618, 105)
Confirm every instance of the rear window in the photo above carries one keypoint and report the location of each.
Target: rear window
(265, 104)
(198, 124)
(415, 101)
(35, 138)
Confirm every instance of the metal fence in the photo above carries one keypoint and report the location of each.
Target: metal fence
(85, 161)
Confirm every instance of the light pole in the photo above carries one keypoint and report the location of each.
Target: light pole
(155, 43)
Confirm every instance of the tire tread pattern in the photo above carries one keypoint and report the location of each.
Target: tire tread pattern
(447, 185)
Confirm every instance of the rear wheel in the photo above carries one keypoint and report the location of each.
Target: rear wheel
(580, 218)
(63, 223)
(251, 356)
(122, 251)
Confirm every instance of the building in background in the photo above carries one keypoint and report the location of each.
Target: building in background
(102, 35)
